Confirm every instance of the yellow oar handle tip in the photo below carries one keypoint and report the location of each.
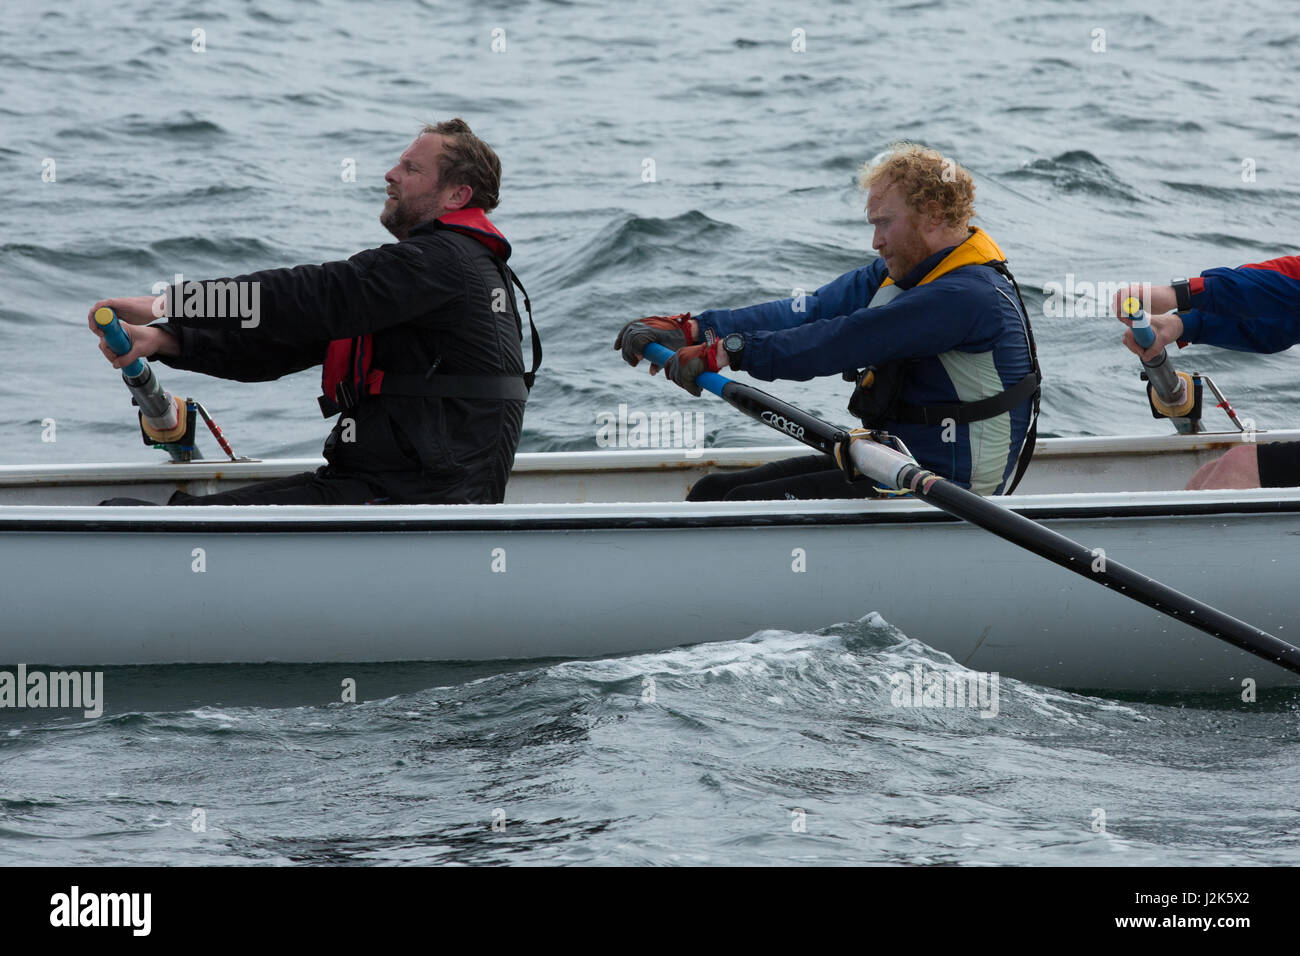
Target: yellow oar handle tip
(104, 315)
(1132, 305)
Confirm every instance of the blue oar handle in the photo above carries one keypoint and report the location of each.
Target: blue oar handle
(155, 404)
(710, 381)
(117, 339)
(1175, 391)
(1142, 330)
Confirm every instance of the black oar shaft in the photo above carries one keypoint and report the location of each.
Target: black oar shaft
(773, 412)
(1088, 563)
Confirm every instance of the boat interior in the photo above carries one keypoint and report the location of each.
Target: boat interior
(1105, 464)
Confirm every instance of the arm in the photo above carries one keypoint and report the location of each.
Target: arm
(1262, 334)
(849, 292)
(1252, 309)
(375, 289)
(928, 320)
(243, 356)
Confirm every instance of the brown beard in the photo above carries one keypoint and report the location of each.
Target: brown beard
(397, 220)
(912, 254)
(402, 218)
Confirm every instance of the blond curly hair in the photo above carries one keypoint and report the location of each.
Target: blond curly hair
(925, 176)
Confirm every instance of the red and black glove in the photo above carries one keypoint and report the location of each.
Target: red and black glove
(690, 363)
(671, 331)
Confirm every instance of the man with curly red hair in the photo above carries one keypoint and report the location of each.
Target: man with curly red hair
(933, 333)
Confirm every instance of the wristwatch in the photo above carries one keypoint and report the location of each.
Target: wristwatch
(1183, 294)
(734, 345)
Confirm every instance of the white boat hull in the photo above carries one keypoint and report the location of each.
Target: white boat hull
(100, 586)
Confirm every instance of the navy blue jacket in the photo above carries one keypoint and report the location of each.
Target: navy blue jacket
(964, 328)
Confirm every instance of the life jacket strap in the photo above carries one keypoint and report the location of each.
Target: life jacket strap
(1031, 436)
(531, 375)
(509, 276)
(963, 413)
(510, 388)
(506, 387)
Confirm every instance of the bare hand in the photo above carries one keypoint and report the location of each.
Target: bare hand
(146, 341)
(1157, 299)
(133, 310)
(1168, 330)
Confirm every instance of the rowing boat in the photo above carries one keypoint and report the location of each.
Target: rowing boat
(596, 553)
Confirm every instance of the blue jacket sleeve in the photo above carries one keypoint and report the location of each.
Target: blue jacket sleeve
(1251, 309)
(926, 321)
(849, 292)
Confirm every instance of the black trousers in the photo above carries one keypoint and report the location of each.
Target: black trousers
(309, 488)
(1279, 464)
(808, 476)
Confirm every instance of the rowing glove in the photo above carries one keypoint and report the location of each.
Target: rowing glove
(689, 363)
(671, 331)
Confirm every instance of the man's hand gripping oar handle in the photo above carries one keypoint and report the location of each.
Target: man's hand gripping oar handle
(162, 417)
(1173, 393)
(891, 469)
(760, 406)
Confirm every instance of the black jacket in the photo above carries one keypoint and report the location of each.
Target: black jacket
(426, 298)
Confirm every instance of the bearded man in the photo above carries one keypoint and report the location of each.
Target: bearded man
(419, 341)
(933, 333)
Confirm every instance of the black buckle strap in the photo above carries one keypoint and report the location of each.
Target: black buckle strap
(504, 387)
(492, 387)
(345, 398)
(963, 413)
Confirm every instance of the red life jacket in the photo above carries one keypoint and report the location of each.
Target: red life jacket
(347, 373)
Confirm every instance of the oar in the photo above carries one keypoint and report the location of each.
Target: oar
(1174, 392)
(893, 470)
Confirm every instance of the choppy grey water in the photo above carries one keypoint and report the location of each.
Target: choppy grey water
(1109, 144)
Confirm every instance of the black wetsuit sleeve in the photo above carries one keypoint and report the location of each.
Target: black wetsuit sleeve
(243, 355)
(373, 290)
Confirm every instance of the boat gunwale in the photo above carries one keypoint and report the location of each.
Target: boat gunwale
(594, 461)
(593, 515)
(590, 516)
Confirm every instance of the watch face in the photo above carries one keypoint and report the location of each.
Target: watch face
(733, 342)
